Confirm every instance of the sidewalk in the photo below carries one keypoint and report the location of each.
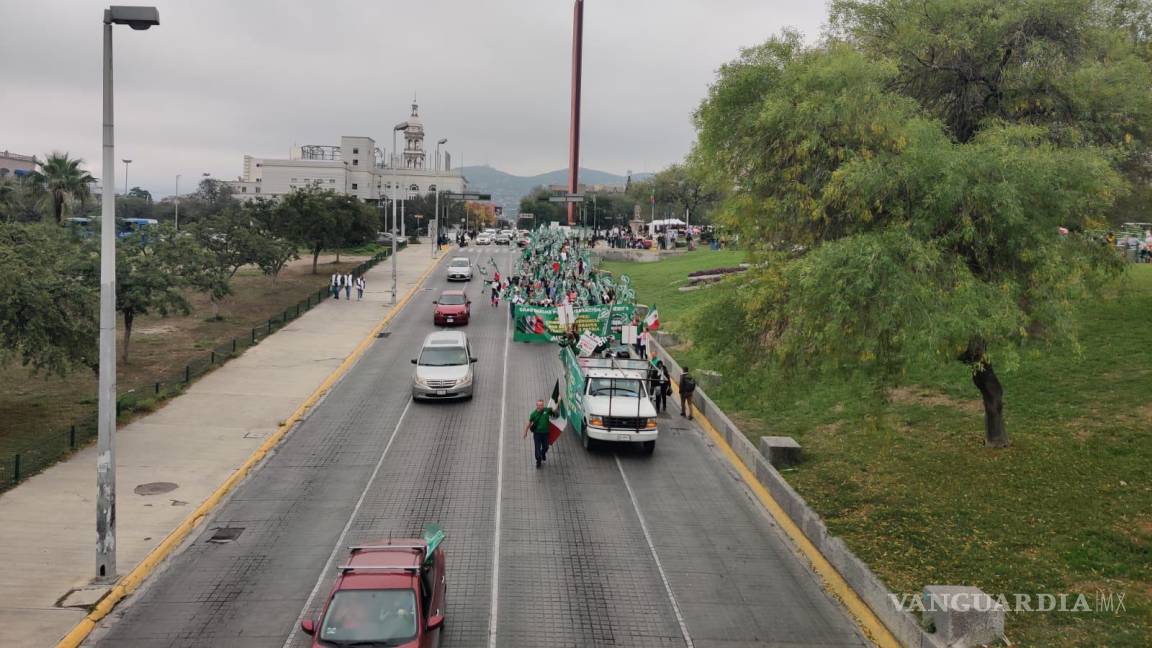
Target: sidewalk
(195, 441)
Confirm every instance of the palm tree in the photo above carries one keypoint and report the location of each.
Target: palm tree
(61, 178)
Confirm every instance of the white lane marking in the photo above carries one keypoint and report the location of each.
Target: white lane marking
(344, 533)
(499, 492)
(652, 549)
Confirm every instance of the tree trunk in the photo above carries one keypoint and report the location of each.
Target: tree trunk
(58, 208)
(128, 317)
(993, 394)
(315, 258)
(337, 255)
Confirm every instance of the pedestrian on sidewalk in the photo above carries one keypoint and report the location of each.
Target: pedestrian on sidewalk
(347, 287)
(360, 287)
(687, 388)
(538, 422)
(335, 285)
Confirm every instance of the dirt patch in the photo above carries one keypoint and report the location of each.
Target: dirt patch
(926, 398)
(164, 329)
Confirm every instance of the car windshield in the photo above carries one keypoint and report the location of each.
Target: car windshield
(615, 387)
(452, 300)
(460, 263)
(386, 617)
(445, 356)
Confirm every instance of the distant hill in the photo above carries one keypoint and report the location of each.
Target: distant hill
(508, 189)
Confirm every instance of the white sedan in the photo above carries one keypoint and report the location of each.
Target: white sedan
(460, 269)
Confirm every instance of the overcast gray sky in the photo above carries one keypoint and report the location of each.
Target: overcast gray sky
(221, 78)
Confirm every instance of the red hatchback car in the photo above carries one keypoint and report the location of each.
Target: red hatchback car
(386, 595)
(452, 308)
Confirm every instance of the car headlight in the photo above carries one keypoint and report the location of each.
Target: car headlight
(466, 380)
(596, 420)
(651, 425)
(420, 381)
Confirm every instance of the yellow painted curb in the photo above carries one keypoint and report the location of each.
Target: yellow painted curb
(833, 581)
(130, 581)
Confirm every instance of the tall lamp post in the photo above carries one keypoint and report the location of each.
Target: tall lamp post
(443, 140)
(395, 185)
(177, 201)
(126, 163)
(138, 18)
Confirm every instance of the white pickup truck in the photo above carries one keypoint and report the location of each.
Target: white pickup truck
(607, 400)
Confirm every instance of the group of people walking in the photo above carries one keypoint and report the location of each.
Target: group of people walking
(346, 282)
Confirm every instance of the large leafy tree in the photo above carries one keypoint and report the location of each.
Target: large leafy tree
(683, 187)
(321, 219)
(1079, 69)
(61, 178)
(47, 299)
(893, 231)
(153, 269)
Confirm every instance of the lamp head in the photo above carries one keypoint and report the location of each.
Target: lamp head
(138, 18)
(443, 141)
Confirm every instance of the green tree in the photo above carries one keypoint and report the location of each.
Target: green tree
(884, 240)
(1079, 69)
(61, 179)
(274, 247)
(48, 316)
(143, 194)
(320, 219)
(18, 201)
(685, 189)
(152, 270)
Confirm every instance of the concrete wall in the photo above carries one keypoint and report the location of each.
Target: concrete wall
(859, 577)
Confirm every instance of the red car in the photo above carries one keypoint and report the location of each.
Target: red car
(386, 595)
(453, 307)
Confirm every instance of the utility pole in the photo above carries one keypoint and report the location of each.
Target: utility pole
(574, 130)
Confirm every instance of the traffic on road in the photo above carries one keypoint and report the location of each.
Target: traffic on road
(603, 542)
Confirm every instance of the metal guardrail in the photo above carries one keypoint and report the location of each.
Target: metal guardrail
(23, 462)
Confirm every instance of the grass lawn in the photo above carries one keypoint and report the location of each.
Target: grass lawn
(35, 408)
(658, 284)
(902, 476)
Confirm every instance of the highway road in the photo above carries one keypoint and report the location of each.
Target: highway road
(610, 548)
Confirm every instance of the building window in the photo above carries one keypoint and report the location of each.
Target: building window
(355, 162)
(415, 188)
(354, 187)
(293, 179)
(355, 151)
(258, 179)
(257, 189)
(431, 188)
(243, 189)
(331, 180)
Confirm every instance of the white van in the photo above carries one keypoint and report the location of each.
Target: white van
(444, 367)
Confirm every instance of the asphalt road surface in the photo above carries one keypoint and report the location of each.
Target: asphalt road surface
(609, 548)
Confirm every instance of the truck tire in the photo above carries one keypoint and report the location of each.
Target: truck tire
(588, 442)
(648, 447)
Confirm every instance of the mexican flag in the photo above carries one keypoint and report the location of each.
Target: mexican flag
(557, 421)
(652, 321)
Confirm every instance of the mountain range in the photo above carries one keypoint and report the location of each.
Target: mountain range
(508, 189)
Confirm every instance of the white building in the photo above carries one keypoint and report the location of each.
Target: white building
(356, 167)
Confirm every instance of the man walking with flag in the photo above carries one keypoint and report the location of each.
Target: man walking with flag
(545, 423)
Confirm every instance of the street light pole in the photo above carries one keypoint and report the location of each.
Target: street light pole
(126, 163)
(395, 186)
(177, 201)
(137, 18)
